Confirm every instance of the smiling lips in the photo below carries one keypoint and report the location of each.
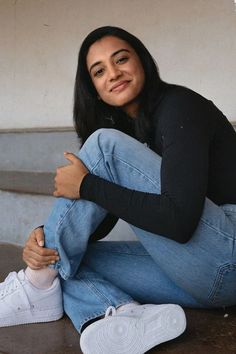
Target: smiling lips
(119, 86)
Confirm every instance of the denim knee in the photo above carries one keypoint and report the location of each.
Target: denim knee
(103, 137)
(99, 144)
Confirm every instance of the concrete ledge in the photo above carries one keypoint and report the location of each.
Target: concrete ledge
(21, 213)
(27, 182)
(37, 151)
(37, 130)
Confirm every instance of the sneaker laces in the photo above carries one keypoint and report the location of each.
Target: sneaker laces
(110, 311)
(10, 284)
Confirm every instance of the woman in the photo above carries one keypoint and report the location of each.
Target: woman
(162, 158)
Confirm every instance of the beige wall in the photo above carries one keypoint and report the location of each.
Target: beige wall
(193, 41)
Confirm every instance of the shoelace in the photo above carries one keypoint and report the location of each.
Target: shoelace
(9, 285)
(110, 311)
(7, 279)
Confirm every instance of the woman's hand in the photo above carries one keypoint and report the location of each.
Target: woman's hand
(35, 255)
(68, 178)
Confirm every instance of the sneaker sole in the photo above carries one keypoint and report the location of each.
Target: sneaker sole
(126, 335)
(32, 317)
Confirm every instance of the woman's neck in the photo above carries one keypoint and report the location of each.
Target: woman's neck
(132, 109)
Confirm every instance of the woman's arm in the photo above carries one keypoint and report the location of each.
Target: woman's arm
(185, 125)
(104, 228)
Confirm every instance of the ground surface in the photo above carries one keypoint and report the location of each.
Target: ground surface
(210, 332)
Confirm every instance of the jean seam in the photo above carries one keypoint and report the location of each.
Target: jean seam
(115, 157)
(206, 222)
(103, 156)
(58, 265)
(96, 164)
(124, 253)
(67, 210)
(62, 273)
(217, 286)
(155, 183)
(93, 288)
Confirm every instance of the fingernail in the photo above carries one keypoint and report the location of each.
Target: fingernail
(41, 243)
(57, 259)
(53, 262)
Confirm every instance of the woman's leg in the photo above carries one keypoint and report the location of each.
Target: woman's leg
(71, 222)
(113, 156)
(201, 267)
(205, 266)
(201, 273)
(128, 265)
(205, 270)
(194, 267)
(117, 157)
(116, 273)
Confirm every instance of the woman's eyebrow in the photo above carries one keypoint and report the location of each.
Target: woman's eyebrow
(113, 54)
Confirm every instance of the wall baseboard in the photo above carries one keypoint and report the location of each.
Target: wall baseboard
(52, 129)
(37, 130)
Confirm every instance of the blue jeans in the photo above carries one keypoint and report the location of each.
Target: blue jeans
(200, 273)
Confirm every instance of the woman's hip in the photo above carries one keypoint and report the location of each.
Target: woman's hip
(205, 265)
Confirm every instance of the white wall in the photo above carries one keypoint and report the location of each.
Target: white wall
(193, 41)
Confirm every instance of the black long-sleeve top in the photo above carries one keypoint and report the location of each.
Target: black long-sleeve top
(198, 149)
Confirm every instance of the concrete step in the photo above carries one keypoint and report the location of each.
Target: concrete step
(35, 150)
(28, 159)
(27, 182)
(20, 213)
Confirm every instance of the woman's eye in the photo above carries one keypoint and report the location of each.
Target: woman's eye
(98, 72)
(121, 60)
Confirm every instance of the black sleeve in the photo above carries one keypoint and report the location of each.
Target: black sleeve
(184, 120)
(104, 228)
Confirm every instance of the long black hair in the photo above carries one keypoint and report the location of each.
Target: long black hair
(91, 113)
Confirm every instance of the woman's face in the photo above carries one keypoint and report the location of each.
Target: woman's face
(116, 72)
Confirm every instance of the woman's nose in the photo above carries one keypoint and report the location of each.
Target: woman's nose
(114, 72)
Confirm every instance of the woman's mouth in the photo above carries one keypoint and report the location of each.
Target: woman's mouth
(120, 86)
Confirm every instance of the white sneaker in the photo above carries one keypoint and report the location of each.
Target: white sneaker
(21, 302)
(133, 331)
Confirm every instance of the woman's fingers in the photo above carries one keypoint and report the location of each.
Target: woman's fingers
(43, 258)
(36, 256)
(41, 252)
(32, 258)
(69, 178)
(39, 235)
(32, 262)
(36, 237)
